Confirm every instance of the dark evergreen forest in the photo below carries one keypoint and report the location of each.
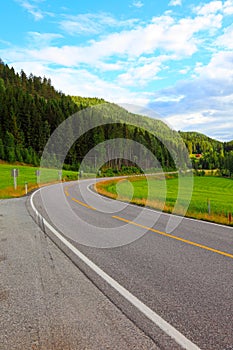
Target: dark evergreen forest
(30, 110)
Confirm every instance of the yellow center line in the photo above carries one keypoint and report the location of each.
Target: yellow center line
(75, 200)
(66, 192)
(175, 237)
(83, 204)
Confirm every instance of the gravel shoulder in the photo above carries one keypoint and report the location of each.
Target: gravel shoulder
(46, 302)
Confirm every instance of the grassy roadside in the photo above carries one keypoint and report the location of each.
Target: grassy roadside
(27, 174)
(212, 197)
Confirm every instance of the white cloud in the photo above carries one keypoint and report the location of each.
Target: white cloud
(143, 71)
(206, 102)
(190, 119)
(159, 34)
(228, 7)
(42, 39)
(209, 8)
(107, 66)
(175, 3)
(138, 4)
(32, 9)
(225, 99)
(213, 7)
(177, 38)
(225, 40)
(220, 68)
(91, 23)
(169, 98)
(5, 43)
(184, 70)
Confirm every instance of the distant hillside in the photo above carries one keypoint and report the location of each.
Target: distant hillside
(228, 146)
(118, 123)
(200, 143)
(31, 109)
(207, 153)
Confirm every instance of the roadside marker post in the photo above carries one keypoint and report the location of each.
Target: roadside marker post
(209, 207)
(38, 176)
(26, 188)
(60, 175)
(15, 174)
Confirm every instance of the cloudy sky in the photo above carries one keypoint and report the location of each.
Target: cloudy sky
(174, 57)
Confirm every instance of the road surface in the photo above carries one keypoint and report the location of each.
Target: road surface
(177, 287)
(46, 302)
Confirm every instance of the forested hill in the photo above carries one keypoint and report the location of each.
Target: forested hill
(31, 109)
(207, 153)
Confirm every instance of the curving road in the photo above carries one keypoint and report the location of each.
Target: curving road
(175, 286)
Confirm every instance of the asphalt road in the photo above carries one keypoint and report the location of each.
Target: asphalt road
(46, 302)
(185, 277)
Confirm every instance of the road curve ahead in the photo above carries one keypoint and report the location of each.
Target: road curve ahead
(175, 286)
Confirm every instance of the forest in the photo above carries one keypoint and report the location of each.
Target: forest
(207, 153)
(31, 109)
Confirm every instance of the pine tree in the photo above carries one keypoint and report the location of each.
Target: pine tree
(10, 147)
(2, 152)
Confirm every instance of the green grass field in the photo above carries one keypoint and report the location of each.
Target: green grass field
(28, 174)
(163, 195)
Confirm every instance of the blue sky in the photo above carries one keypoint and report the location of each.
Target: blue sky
(174, 57)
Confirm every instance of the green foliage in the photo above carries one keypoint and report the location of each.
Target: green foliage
(209, 154)
(10, 147)
(198, 143)
(2, 85)
(2, 152)
(30, 109)
(124, 170)
(85, 102)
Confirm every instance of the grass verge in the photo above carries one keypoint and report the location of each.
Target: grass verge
(27, 174)
(212, 197)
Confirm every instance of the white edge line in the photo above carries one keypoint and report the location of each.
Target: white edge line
(150, 314)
